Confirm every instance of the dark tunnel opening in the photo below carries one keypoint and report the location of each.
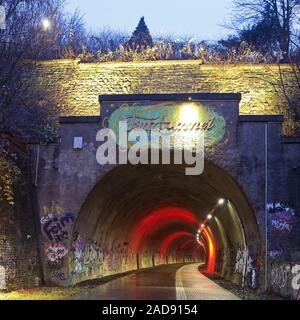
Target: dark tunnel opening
(147, 215)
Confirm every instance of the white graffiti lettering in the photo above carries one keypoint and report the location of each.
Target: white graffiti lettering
(296, 279)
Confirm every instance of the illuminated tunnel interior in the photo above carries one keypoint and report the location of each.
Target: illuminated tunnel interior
(148, 215)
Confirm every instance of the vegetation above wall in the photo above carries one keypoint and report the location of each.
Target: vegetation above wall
(40, 30)
(9, 175)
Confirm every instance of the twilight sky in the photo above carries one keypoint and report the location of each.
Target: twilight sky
(196, 18)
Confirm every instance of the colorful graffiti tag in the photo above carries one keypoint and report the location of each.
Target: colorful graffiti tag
(281, 218)
(56, 251)
(88, 257)
(91, 259)
(56, 224)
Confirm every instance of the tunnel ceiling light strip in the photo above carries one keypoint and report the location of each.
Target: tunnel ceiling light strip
(209, 216)
(221, 201)
(209, 237)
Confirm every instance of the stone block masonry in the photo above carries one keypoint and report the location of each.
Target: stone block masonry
(74, 87)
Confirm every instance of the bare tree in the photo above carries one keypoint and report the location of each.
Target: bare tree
(282, 12)
(74, 39)
(35, 30)
(105, 41)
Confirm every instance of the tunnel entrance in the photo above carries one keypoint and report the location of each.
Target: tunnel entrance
(147, 215)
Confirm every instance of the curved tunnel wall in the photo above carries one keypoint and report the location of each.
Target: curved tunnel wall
(140, 216)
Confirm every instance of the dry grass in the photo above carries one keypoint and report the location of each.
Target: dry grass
(46, 293)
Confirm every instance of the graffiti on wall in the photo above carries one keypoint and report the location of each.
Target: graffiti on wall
(296, 277)
(115, 258)
(244, 265)
(62, 275)
(279, 275)
(55, 228)
(281, 218)
(56, 224)
(88, 257)
(276, 253)
(283, 227)
(55, 255)
(285, 278)
(56, 251)
(53, 209)
(47, 218)
(91, 259)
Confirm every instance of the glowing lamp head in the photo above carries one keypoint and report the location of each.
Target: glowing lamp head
(209, 216)
(189, 112)
(46, 24)
(202, 225)
(221, 201)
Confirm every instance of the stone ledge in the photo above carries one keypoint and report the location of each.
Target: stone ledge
(172, 96)
(290, 140)
(262, 118)
(79, 119)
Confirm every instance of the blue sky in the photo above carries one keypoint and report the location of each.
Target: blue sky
(196, 18)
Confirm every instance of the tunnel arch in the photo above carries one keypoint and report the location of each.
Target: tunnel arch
(134, 209)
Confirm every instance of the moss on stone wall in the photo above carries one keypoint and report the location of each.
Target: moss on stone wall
(75, 87)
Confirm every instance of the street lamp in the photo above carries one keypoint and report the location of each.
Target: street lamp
(46, 24)
(209, 216)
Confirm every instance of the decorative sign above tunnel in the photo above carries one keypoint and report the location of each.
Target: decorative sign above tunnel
(182, 118)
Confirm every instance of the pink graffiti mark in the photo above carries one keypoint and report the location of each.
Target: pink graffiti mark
(55, 252)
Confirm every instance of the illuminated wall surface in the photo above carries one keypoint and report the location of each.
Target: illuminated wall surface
(75, 87)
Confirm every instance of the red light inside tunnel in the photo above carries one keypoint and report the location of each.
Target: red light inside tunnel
(167, 242)
(211, 259)
(158, 219)
(197, 252)
(187, 243)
